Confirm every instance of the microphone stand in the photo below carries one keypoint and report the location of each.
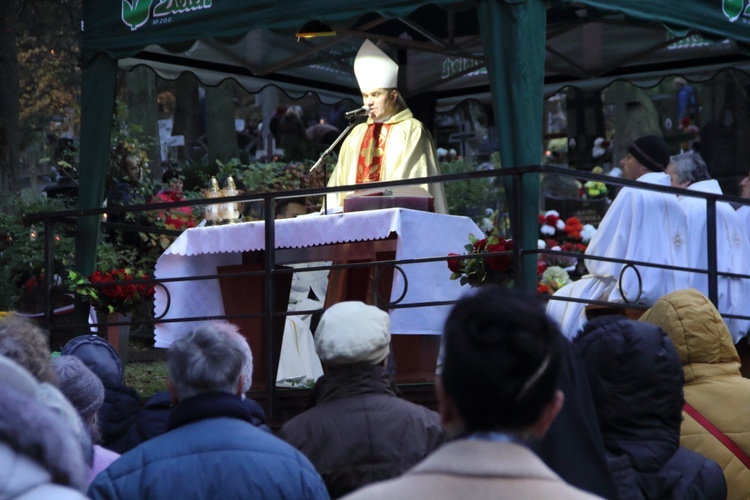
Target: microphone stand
(325, 154)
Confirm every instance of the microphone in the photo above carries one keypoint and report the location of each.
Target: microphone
(356, 113)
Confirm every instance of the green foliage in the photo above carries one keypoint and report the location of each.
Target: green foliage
(130, 140)
(471, 197)
(114, 256)
(273, 177)
(258, 177)
(196, 175)
(22, 249)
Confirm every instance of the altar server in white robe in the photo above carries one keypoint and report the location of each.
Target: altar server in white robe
(689, 171)
(744, 211)
(298, 361)
(640, 225)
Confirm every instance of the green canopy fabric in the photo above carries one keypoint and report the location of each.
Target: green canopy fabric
(523, 43)
(717, 19)
(114, 29)
(123, 27)
(97, 106)
(518, 101)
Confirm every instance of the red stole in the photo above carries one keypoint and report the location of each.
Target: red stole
(371, 151)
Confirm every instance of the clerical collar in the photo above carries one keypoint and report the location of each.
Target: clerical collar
(383, 120)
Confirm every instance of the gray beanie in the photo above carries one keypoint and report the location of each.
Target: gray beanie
(80, 385)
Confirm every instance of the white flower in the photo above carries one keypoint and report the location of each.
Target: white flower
(556, 248)
(552, 212)
(555, 277)
(486, 225)
(489, 212)
(560, 224)
(545, 229)
(540, 245)
(587, 233)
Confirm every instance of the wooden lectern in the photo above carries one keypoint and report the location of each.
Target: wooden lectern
(244, 295)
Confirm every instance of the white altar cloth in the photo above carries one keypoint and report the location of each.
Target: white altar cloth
(199, 251)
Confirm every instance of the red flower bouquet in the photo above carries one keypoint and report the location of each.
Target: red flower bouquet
(479, 266)
(119, 290)
(483, 268)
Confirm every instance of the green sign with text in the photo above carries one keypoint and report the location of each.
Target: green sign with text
(136, 13)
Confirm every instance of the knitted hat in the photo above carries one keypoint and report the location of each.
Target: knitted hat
(651, 151)
(374, 69)
(98, 355)
(353, 332)
(80, 385)
(14, 375)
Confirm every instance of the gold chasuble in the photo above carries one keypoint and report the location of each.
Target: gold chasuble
(399, 148)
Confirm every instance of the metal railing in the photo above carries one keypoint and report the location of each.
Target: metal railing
(514, 178)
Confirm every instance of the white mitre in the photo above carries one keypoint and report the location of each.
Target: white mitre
(374, 69)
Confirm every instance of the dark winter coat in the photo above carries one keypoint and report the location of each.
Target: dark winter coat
(151, 421)
(573, 446)
(211, 450)
(121, 406)
(121, 402)
(359, 431)
(636, 381)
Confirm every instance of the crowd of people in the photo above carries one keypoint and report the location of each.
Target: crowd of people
(532, 403)
(648, 408)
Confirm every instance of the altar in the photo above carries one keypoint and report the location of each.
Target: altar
(411, 234)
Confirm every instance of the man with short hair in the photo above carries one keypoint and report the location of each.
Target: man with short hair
(210, 449)
(392, 144)
(744, 210)
(732, 248)
(497, 391)
(640, 225)
(359, 430)
(686, 169)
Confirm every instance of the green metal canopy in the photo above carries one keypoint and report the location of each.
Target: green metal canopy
(118, 29)
(515, 50)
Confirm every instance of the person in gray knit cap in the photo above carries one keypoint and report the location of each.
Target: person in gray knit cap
(86, 392)
(359, 430)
